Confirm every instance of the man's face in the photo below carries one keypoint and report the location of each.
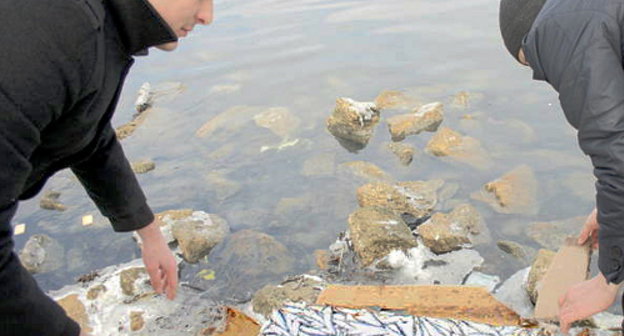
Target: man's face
(182, 16)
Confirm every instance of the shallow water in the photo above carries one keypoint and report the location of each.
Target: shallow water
(302, 55)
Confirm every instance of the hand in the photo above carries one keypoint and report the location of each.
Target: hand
(159, 261)
(585, 299)
(82, 333)
(590, 230)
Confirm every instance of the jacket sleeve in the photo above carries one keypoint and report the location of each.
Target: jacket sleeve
(590, 81)
(112, 185)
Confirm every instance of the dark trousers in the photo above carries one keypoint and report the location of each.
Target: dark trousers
(24, 309)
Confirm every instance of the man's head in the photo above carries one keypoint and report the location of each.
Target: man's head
(516, 18)
(182, 16)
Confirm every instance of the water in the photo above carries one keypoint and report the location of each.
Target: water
(302, 55)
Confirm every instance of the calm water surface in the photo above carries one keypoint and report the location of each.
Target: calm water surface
(302, 55)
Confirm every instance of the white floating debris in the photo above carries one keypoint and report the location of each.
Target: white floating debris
(145, 98)
(19, 229)
(87, 220)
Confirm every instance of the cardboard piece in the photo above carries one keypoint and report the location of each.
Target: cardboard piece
(87, 220)
(239, 324)
(569, 267)
(453, 302)
(19, 229)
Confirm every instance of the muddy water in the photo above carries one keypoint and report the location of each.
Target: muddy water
(302, 55)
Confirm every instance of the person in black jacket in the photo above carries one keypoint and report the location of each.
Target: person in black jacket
(62, 66)
(576, 46)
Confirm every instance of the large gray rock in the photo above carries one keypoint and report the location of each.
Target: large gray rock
(42, 254)
(353, 121)
(415, 198)
(449, 232)
(375, 232)
(425, 118)
(198, 234)
(538, 270)
(296, 289)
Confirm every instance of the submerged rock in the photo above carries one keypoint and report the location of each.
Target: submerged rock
(198, 234)
(522, 253)
(513, 193)
(50, 201)
(464, 149)
(449, 232)
(230, 120)
(552, 235)
(323, 164)
(353, 121)
(391, 99)
(404, 152)
(375, 232)
(42, 254)
(296, 289)
(426, 118)
(222, 187)
(538, 270)
(365, 170)
(279, 120)
(415, 198)
(143, 166)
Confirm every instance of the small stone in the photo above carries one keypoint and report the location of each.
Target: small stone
(136, 320)
(353, 122)
(128, 278)
(538, 270)
(49, 201)
(404, 152)
(426, 118)
(513, 193)
(513, 249)
(375, 232)
(145, 98)
(143, 166)
(461, 99)
(76, 310)
(19, 229)
(416, 198)
(95, 291)
(463, 149)
(42, 254)
(199, 234)
(444, 233)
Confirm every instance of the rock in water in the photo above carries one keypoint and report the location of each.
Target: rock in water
(143, 166)
(50, 201)
(390, 99)
(404, 152)
(376, 232)
(296, 289)
(42, 254)
(353, 122)
(279, 120)
(198, 234)
(445, 233)
(464, 149)
(414, 198)
(426, 118)
(513, 193)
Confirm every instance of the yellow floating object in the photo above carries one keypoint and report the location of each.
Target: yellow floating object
(87, 220)
(19, 229)
(207, 274)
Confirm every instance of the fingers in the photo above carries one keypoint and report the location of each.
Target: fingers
(172, 280)
(155, 277)
(585, 233)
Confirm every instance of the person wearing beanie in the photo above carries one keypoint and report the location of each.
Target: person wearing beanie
(63, 65)
(576, 46)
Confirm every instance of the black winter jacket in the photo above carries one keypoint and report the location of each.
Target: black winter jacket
(62, 65)
(576, 46)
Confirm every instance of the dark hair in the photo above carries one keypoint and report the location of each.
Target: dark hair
(515, 18)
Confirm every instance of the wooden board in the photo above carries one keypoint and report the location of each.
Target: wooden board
(569, 267)
(454, 302)
(239, 324)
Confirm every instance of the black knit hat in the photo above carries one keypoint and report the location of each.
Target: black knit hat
(516, 18)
